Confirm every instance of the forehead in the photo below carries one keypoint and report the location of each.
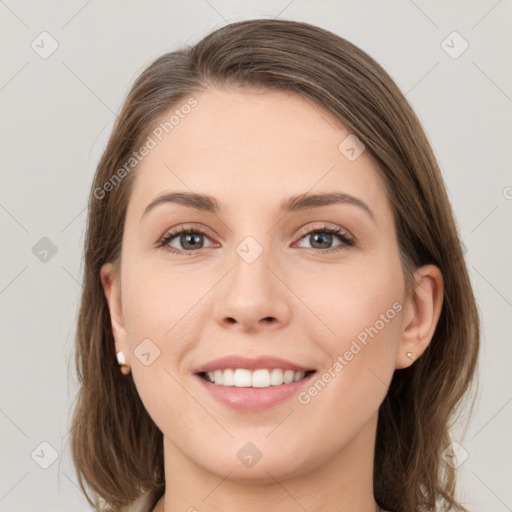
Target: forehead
(246, 146)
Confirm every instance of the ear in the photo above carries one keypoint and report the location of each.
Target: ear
(111, 288)
(422, 312)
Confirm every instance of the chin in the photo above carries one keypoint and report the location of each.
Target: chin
(248, 465)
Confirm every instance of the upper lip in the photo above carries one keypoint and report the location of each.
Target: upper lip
(256, 363)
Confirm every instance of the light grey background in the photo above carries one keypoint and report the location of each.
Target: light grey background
(58, 112)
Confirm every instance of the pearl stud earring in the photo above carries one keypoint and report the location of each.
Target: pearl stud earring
(121, 361)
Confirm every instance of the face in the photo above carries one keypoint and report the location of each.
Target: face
(267, 282)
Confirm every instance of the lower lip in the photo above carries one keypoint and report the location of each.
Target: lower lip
(251, 399)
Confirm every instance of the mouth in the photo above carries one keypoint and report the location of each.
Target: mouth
(252, 384)
(253, 391)
(259, 378)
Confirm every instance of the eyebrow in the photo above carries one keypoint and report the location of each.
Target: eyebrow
(207, 203)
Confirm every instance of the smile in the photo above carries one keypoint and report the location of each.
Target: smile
(259, 378)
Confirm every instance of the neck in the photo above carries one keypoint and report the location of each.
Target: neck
(341, 482)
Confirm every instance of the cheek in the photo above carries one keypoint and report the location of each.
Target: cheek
(360, 314)
(348, 303)
(161, 321)
(357, 324)
(159, 300)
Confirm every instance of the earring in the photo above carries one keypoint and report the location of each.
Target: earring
(121, 361)
(410, 355)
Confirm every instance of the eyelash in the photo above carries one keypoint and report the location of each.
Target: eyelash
(345, 239)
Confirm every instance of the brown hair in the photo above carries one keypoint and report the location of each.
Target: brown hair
(116, 447)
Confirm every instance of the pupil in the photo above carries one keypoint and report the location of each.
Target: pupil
(193, 244)
(327, 237)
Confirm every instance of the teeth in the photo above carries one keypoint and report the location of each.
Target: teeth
(261, 378)
(228, 377)
(298, 376)
(242, 378)
(288, 376)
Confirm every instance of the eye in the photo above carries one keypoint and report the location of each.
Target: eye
(190, 239)
(322, 237)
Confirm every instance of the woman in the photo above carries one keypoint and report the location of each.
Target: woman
(272, 258)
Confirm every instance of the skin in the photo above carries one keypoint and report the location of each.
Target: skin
(250, 150)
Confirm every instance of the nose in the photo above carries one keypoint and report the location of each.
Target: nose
(253, 297)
